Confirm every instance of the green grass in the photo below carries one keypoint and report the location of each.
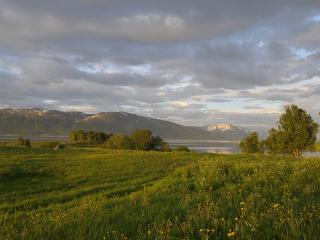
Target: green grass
(92, 193)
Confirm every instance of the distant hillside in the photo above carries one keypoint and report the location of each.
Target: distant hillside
(37, 122)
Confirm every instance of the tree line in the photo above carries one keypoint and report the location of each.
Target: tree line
(81, 136)
(296, 133)
(141, 139)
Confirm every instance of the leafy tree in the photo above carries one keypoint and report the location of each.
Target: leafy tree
(90, 137)
(24, 142)
(27, 142)
(142, 139)
(275, 142)
(119, 141)
(20, 141)
(81, 136)
(165, 147)
(297, 132)
(250, 144)
(73, 136)
(155, 143)
(262, 146)
(101, 137)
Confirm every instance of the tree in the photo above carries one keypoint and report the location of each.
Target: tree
(250, 144)
(73, 136)
(81, 136)
(27, 142)
(297, 132)
(262, 146)
(155, 143)
(20, 141)
(165, 147)
(275, 142)
(142, 139)
(101, 137)
(24, 142)
(90, 137)
(119, 141)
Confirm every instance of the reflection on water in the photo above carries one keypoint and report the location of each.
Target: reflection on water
(208, 146)
(311, 154)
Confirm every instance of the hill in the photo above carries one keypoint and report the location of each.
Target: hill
(94, 193)
(38, 122)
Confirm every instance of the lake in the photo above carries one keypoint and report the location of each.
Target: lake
(209, 146)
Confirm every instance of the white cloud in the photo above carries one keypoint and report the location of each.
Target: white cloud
(193, 62)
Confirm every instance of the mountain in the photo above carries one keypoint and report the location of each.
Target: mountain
(234, 132)
(224, 127)
(38, 122)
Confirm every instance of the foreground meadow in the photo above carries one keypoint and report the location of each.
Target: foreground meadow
(92, 193)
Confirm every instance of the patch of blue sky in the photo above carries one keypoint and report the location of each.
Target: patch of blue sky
(12, 70)
(315, 18)
(302, 53)
(95, 68)
(140, 69)
(110, 68)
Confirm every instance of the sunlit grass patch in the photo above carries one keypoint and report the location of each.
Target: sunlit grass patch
(93, 193)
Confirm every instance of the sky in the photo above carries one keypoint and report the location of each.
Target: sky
(194, 62)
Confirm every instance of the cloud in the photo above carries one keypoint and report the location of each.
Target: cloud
(194, 62)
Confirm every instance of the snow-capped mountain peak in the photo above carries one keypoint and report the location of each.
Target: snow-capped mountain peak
(223, 127)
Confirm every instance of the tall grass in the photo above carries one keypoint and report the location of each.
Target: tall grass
(84, 193)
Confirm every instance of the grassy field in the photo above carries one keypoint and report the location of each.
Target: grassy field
(93, 193)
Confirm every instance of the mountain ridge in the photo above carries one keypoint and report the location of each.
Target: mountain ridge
(39, 122)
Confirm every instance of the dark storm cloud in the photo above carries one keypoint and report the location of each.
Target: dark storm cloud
(172, 59)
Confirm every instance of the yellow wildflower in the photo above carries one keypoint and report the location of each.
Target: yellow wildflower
(231, 234)
(276, 205)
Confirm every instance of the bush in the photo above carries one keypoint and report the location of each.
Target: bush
(182, 149)
(250, 144)
(81, 136)
(23, 142)
(20, 141)
(165, 147)
(142, 139)
(119, 141)
(51, 144)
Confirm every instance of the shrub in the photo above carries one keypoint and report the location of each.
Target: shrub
(81, 136)
(119, 141)
(182, 149)
(51, 144)
(20, 141)
(23, 142)
(142, 139)
(27, 142)
(165, 147)
(250, 144)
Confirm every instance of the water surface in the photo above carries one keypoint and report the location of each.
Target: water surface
(209, 146)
